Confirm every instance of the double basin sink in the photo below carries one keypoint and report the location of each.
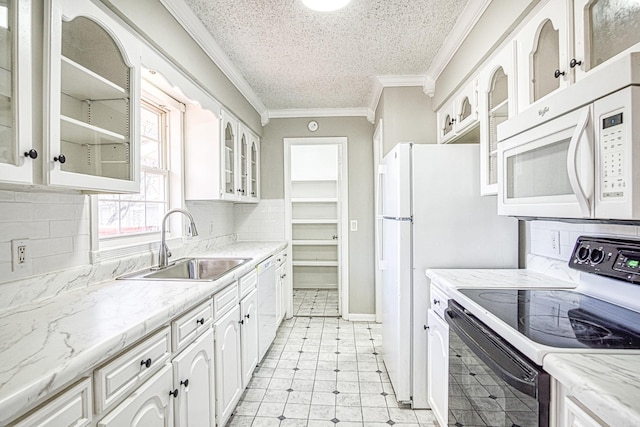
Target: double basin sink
(191, 269)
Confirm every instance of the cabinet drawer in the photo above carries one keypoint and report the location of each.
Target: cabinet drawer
(248, 283)
(130, 369)
(438, 301)
(189, 326)
(71, 408)
(224, 300)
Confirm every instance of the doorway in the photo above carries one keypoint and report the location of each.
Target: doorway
(316, 210)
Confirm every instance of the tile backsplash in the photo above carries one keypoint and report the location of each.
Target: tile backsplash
(540, 236)
(57, 227)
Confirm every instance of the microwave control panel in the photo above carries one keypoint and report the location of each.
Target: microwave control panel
(612, 156)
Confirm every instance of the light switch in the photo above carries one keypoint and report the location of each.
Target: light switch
(354, 225)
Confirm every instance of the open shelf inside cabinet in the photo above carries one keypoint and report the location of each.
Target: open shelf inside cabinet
(77, 132)
(82, 83)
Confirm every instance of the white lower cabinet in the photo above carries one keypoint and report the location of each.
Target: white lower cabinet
(576, 416)
(71, 408)
(438, 367)
(149, 406)
(249, 335)
(193, 376)
(228, 357)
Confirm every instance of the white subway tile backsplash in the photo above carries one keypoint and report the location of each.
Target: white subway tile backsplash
(23, 229)
(47, 247)
(6, 196)
(264, 221)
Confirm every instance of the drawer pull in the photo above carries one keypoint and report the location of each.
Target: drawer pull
(146, 363)
(247, 316)
(200, 321)
(174, 393)
(185, 383)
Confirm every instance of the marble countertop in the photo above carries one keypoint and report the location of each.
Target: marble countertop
(44, 346)
(607, 384)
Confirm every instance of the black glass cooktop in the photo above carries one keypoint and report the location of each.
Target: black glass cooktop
(560, 318)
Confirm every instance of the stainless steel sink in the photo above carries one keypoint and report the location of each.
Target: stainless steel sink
(191, 269)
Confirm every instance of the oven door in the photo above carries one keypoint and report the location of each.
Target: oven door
(547, 171)
(490, 382)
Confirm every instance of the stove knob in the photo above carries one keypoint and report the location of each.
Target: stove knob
(583, 254)
(597, 255)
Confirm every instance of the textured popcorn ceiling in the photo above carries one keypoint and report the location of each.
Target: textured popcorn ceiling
(294, 57)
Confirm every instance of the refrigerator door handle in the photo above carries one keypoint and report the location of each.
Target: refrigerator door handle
(382, 170)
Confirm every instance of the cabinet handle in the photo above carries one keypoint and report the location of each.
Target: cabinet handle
(334, 237)
(146, 363)
(283, 276)
(60, 158)
(558, 73)
(241, 322)
(200, 321)
(574, 63)
(247, 316)
(31, 153)
(174, 393)
(436, 301)
(185, 383)
(426, 328)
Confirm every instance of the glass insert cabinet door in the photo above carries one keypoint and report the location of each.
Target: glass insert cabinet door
(93, 100)
(604, 28)
(17, 154)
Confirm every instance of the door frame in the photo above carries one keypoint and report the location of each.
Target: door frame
(343, 201)
(378, 144)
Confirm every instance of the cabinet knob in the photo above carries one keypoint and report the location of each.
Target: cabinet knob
(248, 316)
(574, 63)
(436, 301)
(558, 73)
(200, 321)
(174, 393)
(60, 158)
(334, 237)
(185, 383)
(241, 322)
(253, 193)
(146, 363)
(283, 276)
(31, 154)
(426, 328)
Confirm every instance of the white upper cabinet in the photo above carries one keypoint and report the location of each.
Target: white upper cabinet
(543, 51)
(17, 152)
(458, 115)
(222, 157)
(603, 29)
(497, 102)
(92, 99)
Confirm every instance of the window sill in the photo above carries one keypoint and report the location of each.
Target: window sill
(149, 247)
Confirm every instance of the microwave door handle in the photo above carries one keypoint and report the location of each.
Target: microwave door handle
(572, 163)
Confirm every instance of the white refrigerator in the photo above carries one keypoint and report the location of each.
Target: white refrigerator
(430, 215)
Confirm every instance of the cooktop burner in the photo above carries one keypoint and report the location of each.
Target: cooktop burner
(560, 318)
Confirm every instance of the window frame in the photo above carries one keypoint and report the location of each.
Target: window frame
(149, 241)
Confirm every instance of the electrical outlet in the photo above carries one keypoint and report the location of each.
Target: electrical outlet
(554, 241)
(354, 225)
(21, 256)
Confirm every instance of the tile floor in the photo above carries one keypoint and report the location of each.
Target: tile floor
(324, 372)
(315, 302)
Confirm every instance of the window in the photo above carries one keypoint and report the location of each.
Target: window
(130, 223)
(141, 213)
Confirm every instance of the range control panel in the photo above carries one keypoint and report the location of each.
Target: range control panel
(616, 258)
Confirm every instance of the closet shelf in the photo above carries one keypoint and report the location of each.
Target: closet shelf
(303, 263)
(314, 242)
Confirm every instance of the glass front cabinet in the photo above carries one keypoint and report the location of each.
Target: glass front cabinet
(459, 115)
(247, 165)
(497, 99)
(543, 51)
(603, 29)
(17, 152)
(92, 100)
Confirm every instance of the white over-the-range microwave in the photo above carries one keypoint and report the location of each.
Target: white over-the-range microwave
(577, 153)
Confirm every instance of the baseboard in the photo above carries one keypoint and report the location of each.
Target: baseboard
(358, 317)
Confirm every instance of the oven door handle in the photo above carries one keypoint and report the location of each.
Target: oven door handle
(507, 364)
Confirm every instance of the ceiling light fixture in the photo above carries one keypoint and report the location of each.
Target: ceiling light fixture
(325, 5)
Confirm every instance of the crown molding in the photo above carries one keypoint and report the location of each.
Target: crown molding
(465, 23)
(196, 29)
(380, 82)
(321, 112)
